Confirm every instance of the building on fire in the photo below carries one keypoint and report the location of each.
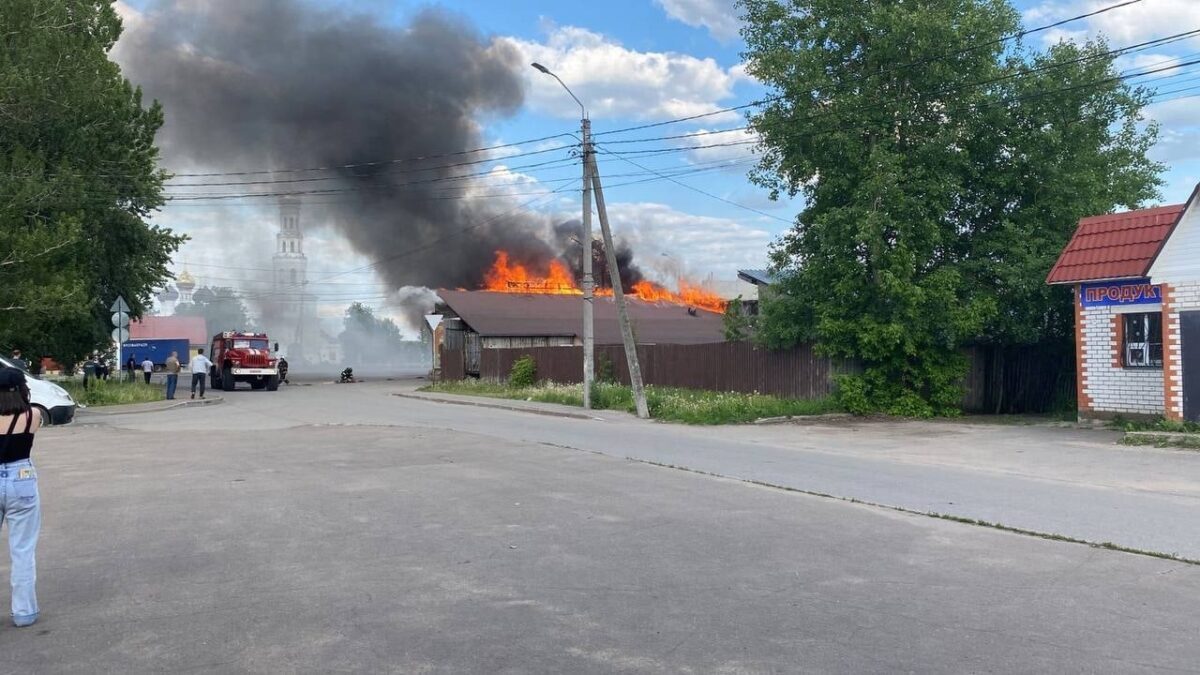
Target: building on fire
(1136, 278)
(472, 321)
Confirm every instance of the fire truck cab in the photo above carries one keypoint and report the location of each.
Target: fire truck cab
(243, 357)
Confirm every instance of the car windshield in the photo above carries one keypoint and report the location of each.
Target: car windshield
(249, 344)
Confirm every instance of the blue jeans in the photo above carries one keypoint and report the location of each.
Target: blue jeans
(21, 507)
(172, 382)
(198, 378)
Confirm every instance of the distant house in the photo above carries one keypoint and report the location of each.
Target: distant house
(475, 320)
(1136, 277)
(191, 328)
(757, 277)
(760, 281)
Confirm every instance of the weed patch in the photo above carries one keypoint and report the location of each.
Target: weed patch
(689, 406)
(1160, 424)
(113, 392)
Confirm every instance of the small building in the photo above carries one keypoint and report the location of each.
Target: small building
(477, 320)
(760, 281)
(1136, 279)
(190, 328)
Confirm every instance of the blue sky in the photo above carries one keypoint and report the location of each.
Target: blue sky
(642, 61)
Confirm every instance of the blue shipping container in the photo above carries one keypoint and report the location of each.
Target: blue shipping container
(157, 349)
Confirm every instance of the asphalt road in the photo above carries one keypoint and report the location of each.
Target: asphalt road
(333, 528)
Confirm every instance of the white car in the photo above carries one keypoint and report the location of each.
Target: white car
(55, 404)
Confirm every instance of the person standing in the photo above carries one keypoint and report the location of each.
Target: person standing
(20, 504)
(131, 366)
(172, 368)
(147, 368)
(90, 372)
(19, 361)
(199, 367)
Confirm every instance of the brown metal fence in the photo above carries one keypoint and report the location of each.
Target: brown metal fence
(722, 366)
(453, 363)
(1012, 379)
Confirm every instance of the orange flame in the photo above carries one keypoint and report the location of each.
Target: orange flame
(508, 277)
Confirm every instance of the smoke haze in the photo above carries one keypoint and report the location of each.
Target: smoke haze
(279, 84)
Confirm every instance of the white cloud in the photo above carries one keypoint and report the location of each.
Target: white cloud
(1143, 21)
(721, 146)
(1174, 114)
(694, 245)
(614, 81)
(720, 17)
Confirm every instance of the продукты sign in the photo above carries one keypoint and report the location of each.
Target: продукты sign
(1129, 292)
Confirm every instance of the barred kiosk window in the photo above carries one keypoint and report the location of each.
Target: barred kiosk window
(1143, 340)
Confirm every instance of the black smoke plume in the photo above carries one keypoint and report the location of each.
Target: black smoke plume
(282, 84)
(568, 238)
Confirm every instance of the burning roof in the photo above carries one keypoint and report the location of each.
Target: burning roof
(493, 314)
(505, 276)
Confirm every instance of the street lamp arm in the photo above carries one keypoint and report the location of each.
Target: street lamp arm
(547, 71)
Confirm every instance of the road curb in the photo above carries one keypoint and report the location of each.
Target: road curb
(107, 410)
(804, 419)
(500, 406)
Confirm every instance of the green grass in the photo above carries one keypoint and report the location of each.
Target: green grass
(1190, 442)
(1159, 424)
(689, 406)
(113, 392)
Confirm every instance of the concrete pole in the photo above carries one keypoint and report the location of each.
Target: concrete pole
(589, 283)
(614, 274)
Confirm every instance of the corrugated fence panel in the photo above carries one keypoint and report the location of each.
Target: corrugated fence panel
(1020, 379)
(723, 366)
(453, 364)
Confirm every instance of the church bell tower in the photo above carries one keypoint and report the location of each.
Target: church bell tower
(290, 269)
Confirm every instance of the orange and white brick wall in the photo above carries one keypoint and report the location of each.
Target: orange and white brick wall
(1106, 388)
(1177, 297)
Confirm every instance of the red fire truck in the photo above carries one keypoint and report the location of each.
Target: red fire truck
(243, 357)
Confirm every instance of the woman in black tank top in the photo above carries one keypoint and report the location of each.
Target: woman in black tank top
(20, 504)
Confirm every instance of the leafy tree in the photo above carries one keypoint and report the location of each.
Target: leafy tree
(944, 168)
(221, 307)
(367, 338)
(738, 326)
(78, 179)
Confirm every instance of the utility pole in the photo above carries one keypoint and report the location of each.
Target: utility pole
(614, 273)
(589, 283)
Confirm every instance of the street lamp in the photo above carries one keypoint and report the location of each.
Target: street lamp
(546, 71)
(591, 181)
(589, 284)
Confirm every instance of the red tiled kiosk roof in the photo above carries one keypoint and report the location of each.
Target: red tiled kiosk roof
(1114, 246)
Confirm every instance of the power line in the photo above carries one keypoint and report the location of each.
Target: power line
(435, 242)
(356, 165)
(696, 189)
(772, 99)
(403, 171)
(557, 163)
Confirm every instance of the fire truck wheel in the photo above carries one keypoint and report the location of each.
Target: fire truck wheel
(227, 378)
(273, 383)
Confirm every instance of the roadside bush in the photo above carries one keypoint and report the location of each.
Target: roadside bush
(606, 372)
(523, 373)
(851, 394)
